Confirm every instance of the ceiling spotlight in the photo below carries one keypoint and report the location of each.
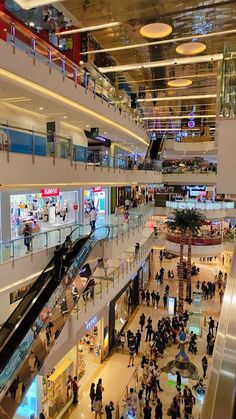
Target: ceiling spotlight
(31, 24)
(180, 83)
(41, 108)
(105, 133)
(87, 126)
(81, 62)
(191, 48)
(65, 117)
(156, 30)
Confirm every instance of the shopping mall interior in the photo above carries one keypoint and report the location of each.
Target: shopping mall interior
(117, 209)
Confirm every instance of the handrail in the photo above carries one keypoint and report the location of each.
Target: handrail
(13, 244)
(37, 47)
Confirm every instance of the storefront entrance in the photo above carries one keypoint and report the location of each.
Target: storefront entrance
(49, 208)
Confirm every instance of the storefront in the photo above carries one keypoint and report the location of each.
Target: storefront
(97, 197)
(43, 210)
(144, 274)
(122, 307)
(123, 192)
(52, 393)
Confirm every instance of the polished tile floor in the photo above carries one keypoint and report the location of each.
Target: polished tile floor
(114, 372)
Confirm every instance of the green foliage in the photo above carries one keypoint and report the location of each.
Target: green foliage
(186, 220)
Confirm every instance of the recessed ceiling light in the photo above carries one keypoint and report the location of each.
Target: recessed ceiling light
(191, 48)
(180, 83)
(105, 133)
(87, 126)
(156, 30)
(41, 108)
(65, 117)
(81, 62)
(31, 24)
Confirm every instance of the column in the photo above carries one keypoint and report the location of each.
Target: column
(5, 216)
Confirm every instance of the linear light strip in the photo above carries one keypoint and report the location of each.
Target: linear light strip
(150, 118)
(90, 28)
(165, 41)
(163, 63)
(43, 90)
(165, 99)
(189, 76)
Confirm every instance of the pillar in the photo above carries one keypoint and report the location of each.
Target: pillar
(5, 216)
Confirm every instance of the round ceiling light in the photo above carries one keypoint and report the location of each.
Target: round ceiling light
(180, 83)
(191, 48)
(156, 30)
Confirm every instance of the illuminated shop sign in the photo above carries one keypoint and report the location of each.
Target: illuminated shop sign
(50, 192)
(91, 323)
(97, 189)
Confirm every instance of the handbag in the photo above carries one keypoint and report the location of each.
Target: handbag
(168, 412)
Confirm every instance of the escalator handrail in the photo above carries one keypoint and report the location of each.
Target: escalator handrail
(42, 288)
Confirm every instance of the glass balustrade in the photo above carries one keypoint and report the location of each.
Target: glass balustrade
(87, 75)
(10, 250)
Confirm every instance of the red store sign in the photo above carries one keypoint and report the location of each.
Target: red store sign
(97, 189)
(50, 192)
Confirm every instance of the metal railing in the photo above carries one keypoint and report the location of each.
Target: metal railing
(114, 275)
(13, 249)
(39, 143)
(86, 75)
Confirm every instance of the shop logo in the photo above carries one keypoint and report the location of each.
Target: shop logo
(50, 192)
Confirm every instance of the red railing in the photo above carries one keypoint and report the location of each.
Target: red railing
(196, 241)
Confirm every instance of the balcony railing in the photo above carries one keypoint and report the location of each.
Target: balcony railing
(22, 38)
(13, 249)
(37, 143)
(196, 241)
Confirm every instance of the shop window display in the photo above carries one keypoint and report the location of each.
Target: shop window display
(40, 211)
(57, 388)
(91, 342)
(95, 197)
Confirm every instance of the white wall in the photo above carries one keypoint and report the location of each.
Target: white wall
(13, 115)
(77, 134)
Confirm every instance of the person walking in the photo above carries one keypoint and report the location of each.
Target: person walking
(92, 395)
(178, 379)
(93, 218)
(27, 237)
(157, 298)
(147, 410)
(211, 326)
(149, 332)
(97, 407)
(142, 321)
(109, 409)
(132, 351)
(221, 295)
(153, 295)
(158, 410)
(204, 366)
(75, 389)
(165, 300)
(174, 410)
(148, 298)
(99, 389)
(138, 337)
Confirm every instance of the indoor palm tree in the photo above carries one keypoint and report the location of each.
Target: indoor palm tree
(187, 222)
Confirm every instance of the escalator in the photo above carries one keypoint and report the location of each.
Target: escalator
(49, 302)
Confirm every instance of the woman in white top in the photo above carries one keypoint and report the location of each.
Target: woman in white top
(97, 407)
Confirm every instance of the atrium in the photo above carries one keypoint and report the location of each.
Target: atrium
(117, 209)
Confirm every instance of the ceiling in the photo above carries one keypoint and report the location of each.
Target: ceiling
(188, 18)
